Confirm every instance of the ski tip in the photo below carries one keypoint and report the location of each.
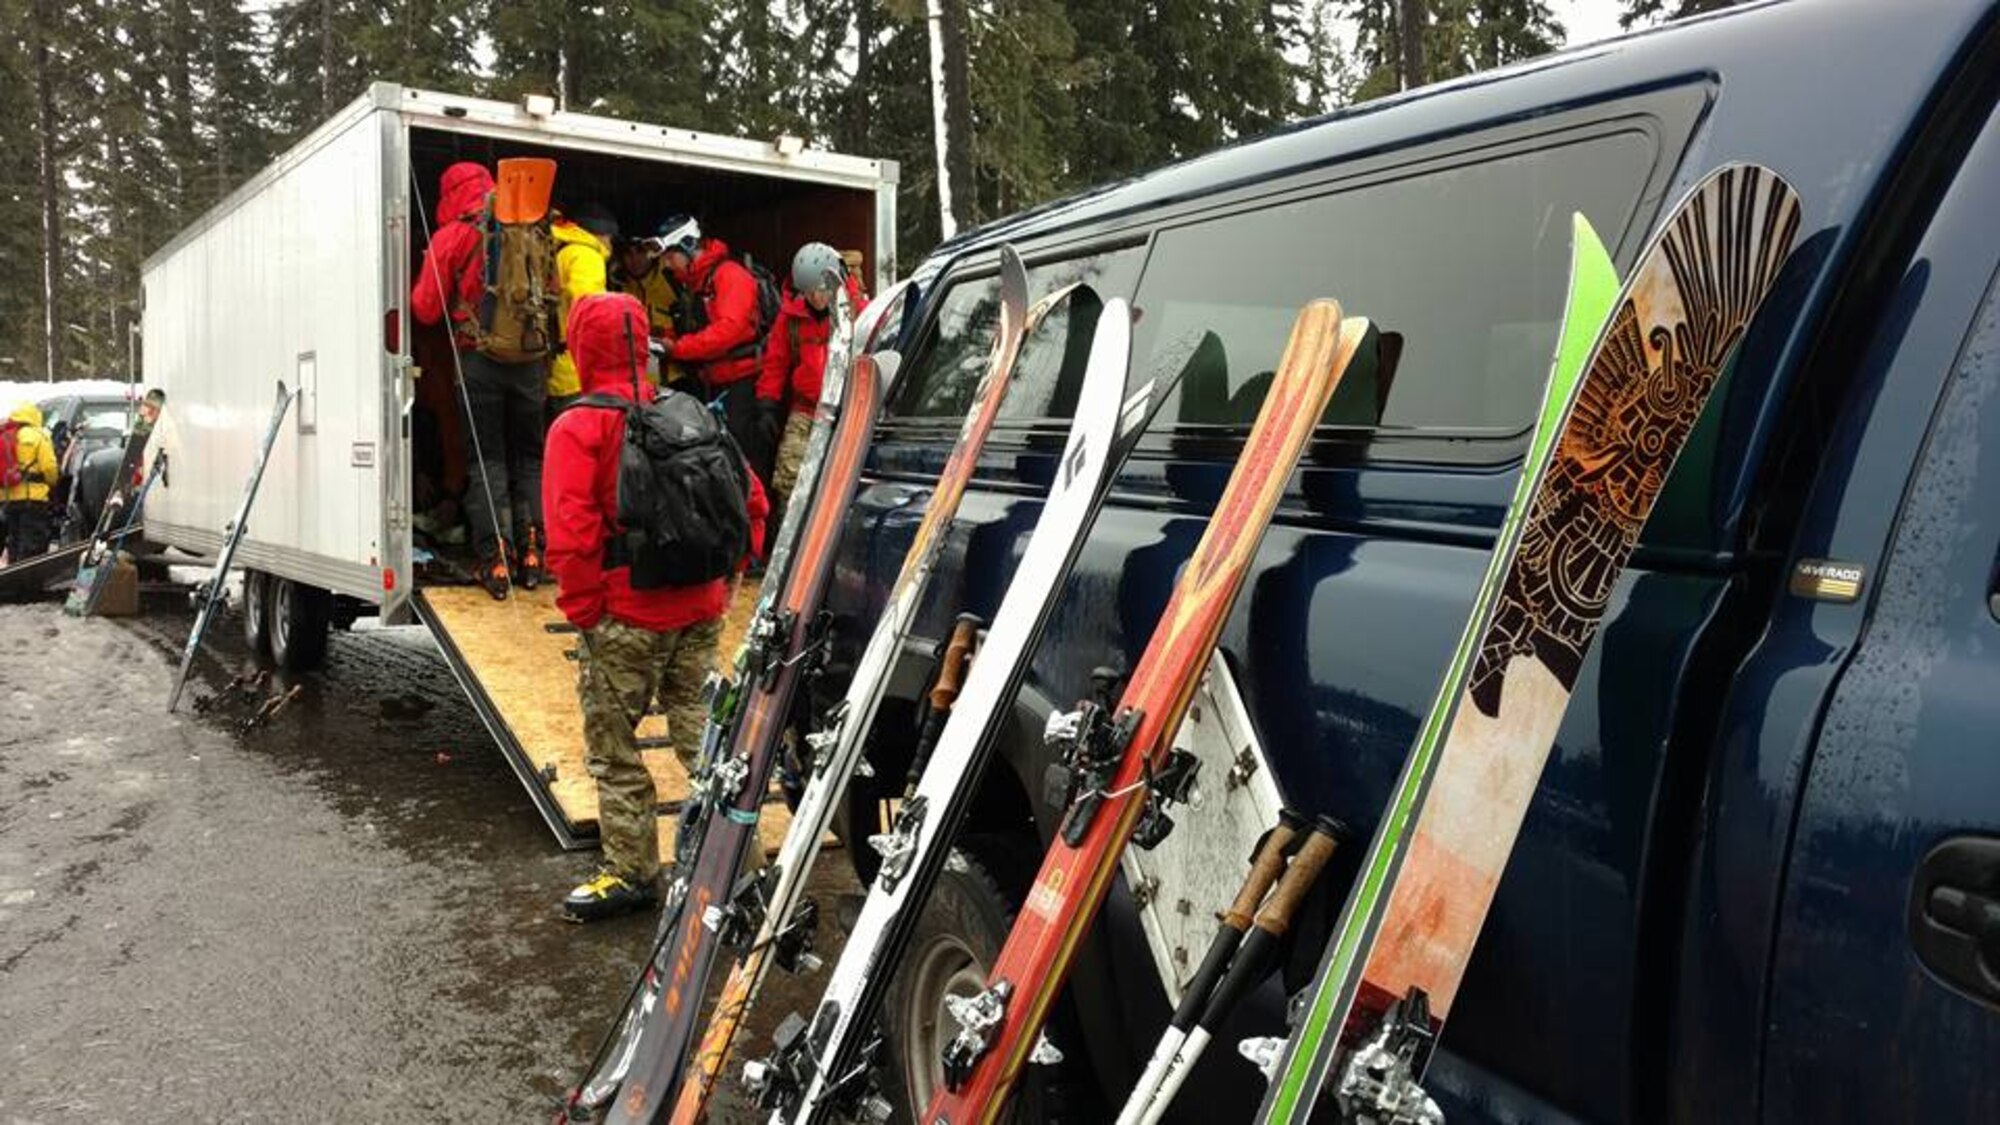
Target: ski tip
(1013, 281)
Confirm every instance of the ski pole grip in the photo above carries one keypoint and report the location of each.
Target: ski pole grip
(1276, 916)
(950, 678)
(1265, 868)
(951, 673)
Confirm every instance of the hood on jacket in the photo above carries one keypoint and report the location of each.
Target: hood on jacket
(607, 337)
(462, 191)
(28, 413)
(713, 251)
(567, 233)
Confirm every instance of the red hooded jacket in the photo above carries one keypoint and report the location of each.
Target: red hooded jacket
(580, 485)
(729, 298)
(795, 378)
(456, 257)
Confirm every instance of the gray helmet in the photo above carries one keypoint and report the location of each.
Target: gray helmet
(816, 266)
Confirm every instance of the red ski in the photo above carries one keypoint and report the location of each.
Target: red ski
(1121, 765)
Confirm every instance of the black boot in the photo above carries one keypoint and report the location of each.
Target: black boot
(608, 895)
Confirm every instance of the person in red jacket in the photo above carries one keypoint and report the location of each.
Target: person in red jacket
(504, 399)
(721, 337)
(795, 359)
(637, 644)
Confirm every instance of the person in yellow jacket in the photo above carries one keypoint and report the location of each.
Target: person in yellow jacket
(28, 473)
(638, 271)
(583, 262)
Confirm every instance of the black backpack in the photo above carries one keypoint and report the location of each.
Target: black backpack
(769, 299)
(683, 492)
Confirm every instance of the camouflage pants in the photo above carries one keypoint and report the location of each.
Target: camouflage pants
(791, 452)
(622, 669)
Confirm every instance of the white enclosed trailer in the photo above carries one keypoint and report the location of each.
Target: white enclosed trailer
(303, 275)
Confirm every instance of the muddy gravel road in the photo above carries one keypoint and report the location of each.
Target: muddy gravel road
(344, 915)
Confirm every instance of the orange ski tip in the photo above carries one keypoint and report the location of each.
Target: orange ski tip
(522, 190)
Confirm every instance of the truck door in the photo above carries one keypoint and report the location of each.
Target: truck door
(1884, 999)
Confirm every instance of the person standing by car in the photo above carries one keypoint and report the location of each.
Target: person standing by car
(794, 361)
(27, 474)
(639, 643)
(504, 398)
(722, 327)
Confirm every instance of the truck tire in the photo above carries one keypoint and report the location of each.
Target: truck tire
(257, 612)
(300, 616)
(954, 944)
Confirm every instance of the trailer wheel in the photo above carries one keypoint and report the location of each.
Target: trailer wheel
(954, 945)
(257, 612)
(300, 616)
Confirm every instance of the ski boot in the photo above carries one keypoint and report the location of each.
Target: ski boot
(529, 573)
(492, 572)
(607, 895)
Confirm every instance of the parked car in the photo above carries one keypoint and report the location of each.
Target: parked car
(83, 425)
(1752, 883)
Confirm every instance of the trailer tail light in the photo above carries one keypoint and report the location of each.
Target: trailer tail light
(388, 579)
(392, 331)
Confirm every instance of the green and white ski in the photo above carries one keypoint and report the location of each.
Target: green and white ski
(1612, 424)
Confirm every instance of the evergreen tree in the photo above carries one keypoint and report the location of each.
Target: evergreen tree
(1643, 13)
(324, 53)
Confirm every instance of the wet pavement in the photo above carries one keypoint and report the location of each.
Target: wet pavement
(343, 915)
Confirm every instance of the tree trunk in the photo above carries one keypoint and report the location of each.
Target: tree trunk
(958, 106)
(45, 129)
(325, 59)
(1410, 21)
(858, 106)
(940, 119)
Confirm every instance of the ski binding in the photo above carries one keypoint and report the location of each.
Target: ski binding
(978, 1017)
(1172, 784)
(1090, 743)
(792, 948)
(1263, 1051)
(735, 922)
(898, 846)
(1378, 1084)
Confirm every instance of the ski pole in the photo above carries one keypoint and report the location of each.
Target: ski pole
(1266, 865)
(1253, 961)
(950, 678)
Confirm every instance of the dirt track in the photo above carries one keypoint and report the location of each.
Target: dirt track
(345, 915)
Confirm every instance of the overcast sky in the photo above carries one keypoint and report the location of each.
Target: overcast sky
(1588, 20)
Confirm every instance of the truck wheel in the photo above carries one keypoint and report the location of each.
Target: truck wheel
(955, 943)
(299, 616)
(257, 612)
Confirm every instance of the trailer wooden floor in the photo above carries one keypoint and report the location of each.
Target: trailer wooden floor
(527, 672)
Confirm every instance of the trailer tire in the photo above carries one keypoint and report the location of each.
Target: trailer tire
(257, 612)
(300, 616)
(952, 948)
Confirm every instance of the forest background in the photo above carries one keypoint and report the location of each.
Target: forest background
(123, 120)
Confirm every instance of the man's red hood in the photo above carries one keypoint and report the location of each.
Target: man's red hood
(462, 191)
(607, 337)
(713, 251)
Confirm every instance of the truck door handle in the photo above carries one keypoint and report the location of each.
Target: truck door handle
(1955, 915)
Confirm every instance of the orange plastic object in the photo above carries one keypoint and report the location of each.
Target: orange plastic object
(523, 189)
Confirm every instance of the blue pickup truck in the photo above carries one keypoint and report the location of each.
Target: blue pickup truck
(1761, 877)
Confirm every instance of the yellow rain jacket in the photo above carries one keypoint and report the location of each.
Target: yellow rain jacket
(658, 294)
(35, 452)
(582, 262)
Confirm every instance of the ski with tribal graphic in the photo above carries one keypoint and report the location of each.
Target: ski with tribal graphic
(1603, 448)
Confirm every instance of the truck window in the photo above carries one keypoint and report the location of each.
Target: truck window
(946, 367)
(1463, 271)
